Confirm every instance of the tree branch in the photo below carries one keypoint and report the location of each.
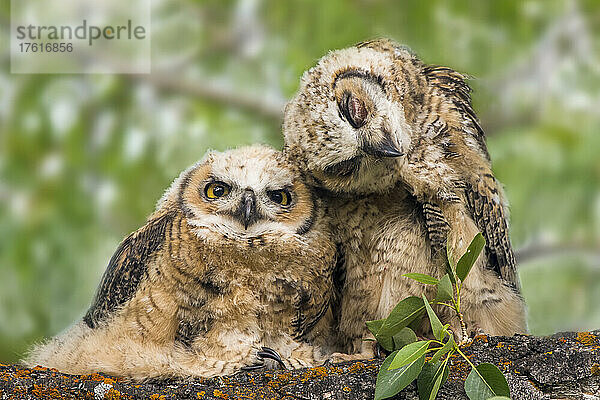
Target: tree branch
(563, 366)
(263, 106)
(537, 251)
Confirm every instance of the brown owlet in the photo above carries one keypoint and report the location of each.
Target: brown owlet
(233, 267)
(396, 150)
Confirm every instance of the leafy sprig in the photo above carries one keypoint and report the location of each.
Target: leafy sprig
(408, 360)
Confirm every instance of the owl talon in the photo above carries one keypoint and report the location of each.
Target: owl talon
(253, 367)
(267, 352)
(380, 352)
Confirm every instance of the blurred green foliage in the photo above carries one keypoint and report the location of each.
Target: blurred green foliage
(84, 158)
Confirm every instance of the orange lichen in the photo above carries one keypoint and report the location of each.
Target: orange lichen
(356, 367)
(312, 373)
(113, 394)
(201, 394)
(595, 369)
(346, 389)
(586, 338)
(218, 393)
(480, 338)
(109, 381)
(505, 365)
(95, 377)
(45, 393)
(22, 373)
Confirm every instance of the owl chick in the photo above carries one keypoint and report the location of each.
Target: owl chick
(237, 257)
(396, 150)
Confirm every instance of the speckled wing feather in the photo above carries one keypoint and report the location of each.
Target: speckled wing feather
(437, 227)
(312, 302)
(453, 85)
(126, 269)
(307, 317)
(483, 199)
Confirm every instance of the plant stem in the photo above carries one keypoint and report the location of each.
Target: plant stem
(457, 302)
(463, 328)
(474, 368)
(433, 349)
(447, 305)
(466, 358)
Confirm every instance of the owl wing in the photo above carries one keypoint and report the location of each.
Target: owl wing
(312, 301)
(486, 208)
(454, 86)
(127, 267)
(483, 197)
(307, 316)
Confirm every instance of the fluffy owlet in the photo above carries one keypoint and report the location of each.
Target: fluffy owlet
(235, 262)
(396, 150)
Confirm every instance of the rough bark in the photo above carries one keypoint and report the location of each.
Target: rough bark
(563, 366)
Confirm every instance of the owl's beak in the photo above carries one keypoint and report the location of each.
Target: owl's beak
(248, 208)
(385, 148)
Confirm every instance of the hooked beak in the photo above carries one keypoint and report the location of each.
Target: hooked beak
(385, 148)
(248, 208)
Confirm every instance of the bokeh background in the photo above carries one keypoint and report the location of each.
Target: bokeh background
(84, 158)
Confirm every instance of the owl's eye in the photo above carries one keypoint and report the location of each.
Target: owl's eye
(214, 190)
(281, 197)
(354, 110)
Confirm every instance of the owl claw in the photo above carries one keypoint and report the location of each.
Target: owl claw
(380, 352)
(267, 352)
(253, 367)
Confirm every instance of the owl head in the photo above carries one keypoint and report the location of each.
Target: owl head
(242, 195)
(364, 113)
(347, 125)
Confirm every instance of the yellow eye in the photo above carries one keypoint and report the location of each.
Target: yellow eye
(215, 190)
(281, 197)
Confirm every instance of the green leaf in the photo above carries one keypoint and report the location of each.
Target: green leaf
(375, 326)
(444, 289)
(404, 337)
(486, 381)
(396, 342)
(426, 380)
(417, 324)
(390, 382)
(423, 278)
(449, 345)
(387, 342)
(438, 382)
(436, 325)
(431, 378)
(403, 314)
(467, 260)
(409, 353)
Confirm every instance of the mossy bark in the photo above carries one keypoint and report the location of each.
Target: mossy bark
(563, 366)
